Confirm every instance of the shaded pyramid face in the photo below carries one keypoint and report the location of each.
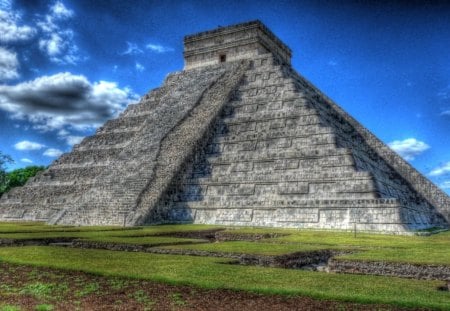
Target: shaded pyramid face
(238, 138)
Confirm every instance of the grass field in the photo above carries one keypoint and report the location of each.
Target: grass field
(211, 272)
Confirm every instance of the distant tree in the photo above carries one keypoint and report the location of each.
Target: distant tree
(19, 177)
(4, 159)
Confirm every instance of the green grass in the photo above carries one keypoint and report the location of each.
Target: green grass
(44, 307)
(215, 273)
(433, 249)
(145, 240)
(362, 239)
(21, 231)
(9, 227)
(35, 227)
(257, 248)
(424, 255)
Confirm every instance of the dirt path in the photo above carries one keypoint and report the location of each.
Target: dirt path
(32, 288)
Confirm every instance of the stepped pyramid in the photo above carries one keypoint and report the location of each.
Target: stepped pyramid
(236, 138)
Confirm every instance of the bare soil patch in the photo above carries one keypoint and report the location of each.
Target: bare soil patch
(27, 287)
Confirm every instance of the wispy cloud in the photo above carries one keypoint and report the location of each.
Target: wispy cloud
(26, 160)
(52, 152)
(57, 41)
(158, 48)
(61, 100)
(73, 140)
(10, 28)
(27, 145)
(59, 10)
(8, 65)
(139, 67)
(332, 63)
(132, 49)
(408, 148)
(443, 169)
(445, 185)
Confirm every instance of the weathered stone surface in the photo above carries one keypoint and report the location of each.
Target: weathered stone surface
(235, 140)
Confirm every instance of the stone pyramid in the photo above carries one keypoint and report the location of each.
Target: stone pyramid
(236, 138)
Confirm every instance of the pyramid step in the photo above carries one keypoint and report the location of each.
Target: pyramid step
(277, 168)
(143, 107)
(245, 202)
(270, 130)
(123, 123)
(298, 154)
(238, 165)
(298, 107)
(317, 136)
(106, 140)
(287, 176)
(322, 141)
(275, 120)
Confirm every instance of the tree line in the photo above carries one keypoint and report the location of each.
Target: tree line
(17, 177)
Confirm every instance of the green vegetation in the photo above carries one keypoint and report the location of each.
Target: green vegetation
(211, 272)
(17, 177)
(215, 273)
(145, 240)
(32, 227)
(259, 248)
(420, 255)
(178, 300)
(4, 159)
(44, 307)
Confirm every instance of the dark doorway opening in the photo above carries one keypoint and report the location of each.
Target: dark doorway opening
(223, 58)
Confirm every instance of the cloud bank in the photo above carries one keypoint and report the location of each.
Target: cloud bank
(64, 99)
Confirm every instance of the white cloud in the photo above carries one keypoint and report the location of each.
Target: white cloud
(9, 26)
(158, 48)
(26, 160)
(52, 152)
(61, 100)
(332, 63)
(445, 185)
(26, 145)
(441, 170)
(57, 42)
(8, 65)
(132, 49)
(408, 148)
(73, 140)
(59, 10)
(5, 4)
(139, 67)
(445, 113)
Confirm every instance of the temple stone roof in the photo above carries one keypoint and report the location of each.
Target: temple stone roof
(241, 41)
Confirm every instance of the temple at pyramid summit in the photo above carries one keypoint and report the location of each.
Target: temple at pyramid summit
(236, 138)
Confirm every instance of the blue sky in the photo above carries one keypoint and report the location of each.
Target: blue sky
(66, 66)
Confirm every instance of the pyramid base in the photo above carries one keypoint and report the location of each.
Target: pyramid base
(378, 215)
